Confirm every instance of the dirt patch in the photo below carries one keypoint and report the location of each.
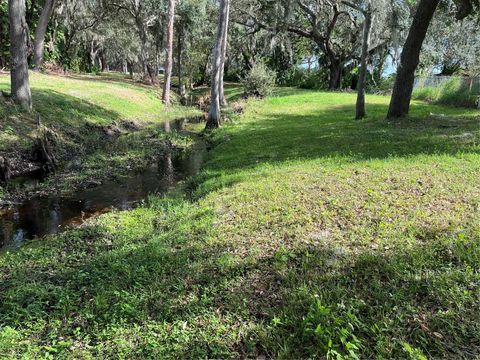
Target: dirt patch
(116, 129)
(131, 125)
(203, 102)
(43, 149)
(238, 106)
(19, 163)
(111, 131)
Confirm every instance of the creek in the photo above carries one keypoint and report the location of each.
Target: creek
(41, 216)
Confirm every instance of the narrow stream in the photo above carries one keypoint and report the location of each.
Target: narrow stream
(38, 217)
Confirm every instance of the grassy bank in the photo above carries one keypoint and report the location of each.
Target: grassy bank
(308, 234)
(77, 109)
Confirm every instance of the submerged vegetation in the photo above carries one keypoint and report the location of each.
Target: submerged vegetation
(308, 234)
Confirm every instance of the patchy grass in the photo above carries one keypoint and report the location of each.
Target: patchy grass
(307, 235)
(75, 108)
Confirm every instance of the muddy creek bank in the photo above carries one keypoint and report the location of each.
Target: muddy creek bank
(41, 216)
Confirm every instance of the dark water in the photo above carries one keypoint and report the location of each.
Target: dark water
(49, 215)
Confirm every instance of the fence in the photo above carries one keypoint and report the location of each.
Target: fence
(449, 90)
(470, 83)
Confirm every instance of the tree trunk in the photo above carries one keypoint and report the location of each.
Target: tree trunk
(205, 73)
(5, 169)
(335, 80)
(29, 12)
(100, 63)
(360, 107)
(223, 100)
(181, 86)
(169, 53)
(93, 54)
(214, 115)
(38, 45)
(105, 66)
(143, 47)
(142, 34)
(18, 48)
(402, 90)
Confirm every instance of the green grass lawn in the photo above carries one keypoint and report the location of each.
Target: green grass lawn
(67, 103)
(307, 235)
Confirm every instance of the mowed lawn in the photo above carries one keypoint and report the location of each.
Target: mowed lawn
(307, 235)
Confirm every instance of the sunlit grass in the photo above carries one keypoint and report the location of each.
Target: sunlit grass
(67, 103)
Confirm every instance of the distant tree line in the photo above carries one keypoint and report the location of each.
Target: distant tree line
(207, 41)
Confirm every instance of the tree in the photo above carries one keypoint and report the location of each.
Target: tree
(214, 114)
(136, 10)
(403, 88)
(20, 86)
(145, 14)
(180, 41)
(169, 53)
(367, 25)
(464, 8)
(447, 48)
(194, 38)
(38, 45)
(223, 100)
(4, 36)
(327, 23)
(80, 19)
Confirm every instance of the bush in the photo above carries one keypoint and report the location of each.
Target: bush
(384, 85)
(96, 70)
(76, 65)
(314, 79)
(260, 81)
(293, 77)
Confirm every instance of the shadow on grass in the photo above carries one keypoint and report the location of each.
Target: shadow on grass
(377, 301)
(233, 91)
(332, 133)
(205, 301)
(117, 79)
(67, 115)
(62, 109)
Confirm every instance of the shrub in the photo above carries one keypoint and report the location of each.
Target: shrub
(96, 70)
(76, 65)
(292, 77)
(385, 85)
(314, 79)
(260, 81)
(456, 93)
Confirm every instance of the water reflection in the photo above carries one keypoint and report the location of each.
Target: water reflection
(179, 125)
